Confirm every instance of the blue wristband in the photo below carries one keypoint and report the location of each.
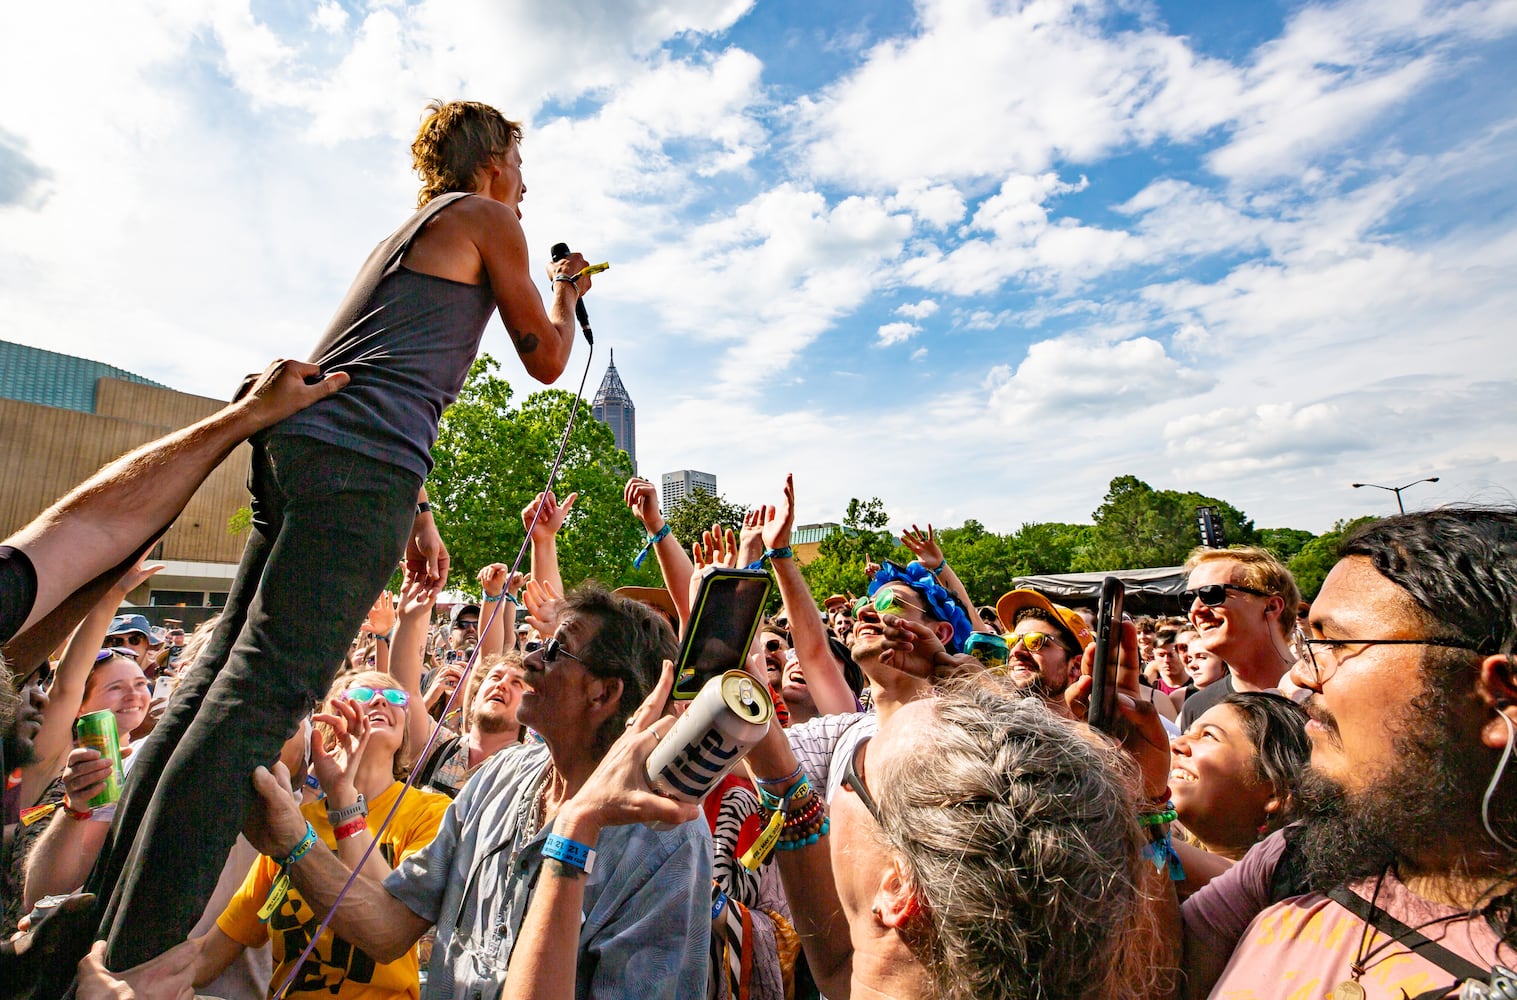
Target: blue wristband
(773, 554)
(300, 848)
(939, 571)
(719, 905)
(570, 852)
(653, 539)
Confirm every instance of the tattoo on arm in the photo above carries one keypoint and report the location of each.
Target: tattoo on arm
(525, 344)
(562, 870)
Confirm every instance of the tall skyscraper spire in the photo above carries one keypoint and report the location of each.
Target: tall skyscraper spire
(613, 407)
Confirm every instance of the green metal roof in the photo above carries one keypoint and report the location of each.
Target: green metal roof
(33, 375)
(805, 534)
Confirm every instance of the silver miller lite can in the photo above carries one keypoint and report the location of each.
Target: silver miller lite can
(726, 720)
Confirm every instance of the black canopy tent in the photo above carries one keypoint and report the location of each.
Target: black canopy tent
(1149, 591)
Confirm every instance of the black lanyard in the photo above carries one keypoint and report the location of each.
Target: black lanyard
(1414, 941)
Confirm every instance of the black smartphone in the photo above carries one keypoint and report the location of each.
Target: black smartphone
(727, 613)
(1103, 673)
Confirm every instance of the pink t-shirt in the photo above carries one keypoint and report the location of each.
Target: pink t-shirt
(1302, 948)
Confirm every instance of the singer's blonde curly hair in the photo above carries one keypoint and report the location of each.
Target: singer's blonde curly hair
(455, 140)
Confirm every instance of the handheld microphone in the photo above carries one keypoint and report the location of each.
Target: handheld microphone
(559, 252)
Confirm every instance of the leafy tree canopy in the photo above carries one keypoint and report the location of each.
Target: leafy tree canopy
(492, 457)
(1310, 565)
(696, 513)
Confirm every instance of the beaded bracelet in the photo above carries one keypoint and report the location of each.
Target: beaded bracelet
(796, 845)
(1168, 815)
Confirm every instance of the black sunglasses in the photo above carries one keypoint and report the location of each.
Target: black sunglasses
(1214, 595)
(853, 779)
(553, 648)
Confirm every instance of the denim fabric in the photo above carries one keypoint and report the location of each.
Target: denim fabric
(329, 527)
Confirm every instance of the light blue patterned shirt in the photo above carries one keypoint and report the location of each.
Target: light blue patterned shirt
(647, 921)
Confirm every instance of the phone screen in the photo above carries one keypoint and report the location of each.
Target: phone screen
(726, 615)
(1103, 688)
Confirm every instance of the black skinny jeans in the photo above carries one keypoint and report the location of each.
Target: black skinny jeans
(329, 527)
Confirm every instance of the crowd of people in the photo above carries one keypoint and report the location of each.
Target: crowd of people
(330, 790)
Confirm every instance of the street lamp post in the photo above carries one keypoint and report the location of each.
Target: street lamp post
(1396, 489)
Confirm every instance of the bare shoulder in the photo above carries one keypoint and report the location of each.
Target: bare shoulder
(484, 219)
(454, 242)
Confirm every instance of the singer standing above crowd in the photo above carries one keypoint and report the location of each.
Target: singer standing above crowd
(337, 499)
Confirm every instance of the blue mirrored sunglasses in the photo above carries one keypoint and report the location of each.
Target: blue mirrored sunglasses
(363, 695)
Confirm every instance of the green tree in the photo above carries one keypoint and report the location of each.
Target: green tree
(1049, 547)
(841, 557)
(698, 511)
(1284, 542)
(1138, 527)
(492, 457)
(1310, 566)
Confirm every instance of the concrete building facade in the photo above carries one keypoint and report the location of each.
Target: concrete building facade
(680, 484)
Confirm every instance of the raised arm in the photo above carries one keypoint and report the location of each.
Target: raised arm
(417, 599)
(498, 612)
(673, 561)
(115, 512)
(925, 547)
(56, 738)
(543, 529)
(808, 634)
(807, 874)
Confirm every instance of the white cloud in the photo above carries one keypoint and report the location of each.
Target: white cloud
(896, 333)
(1066, 378)
(330, 16)
(771, 277)
(917, 310)
(920, 354)
(989, 91)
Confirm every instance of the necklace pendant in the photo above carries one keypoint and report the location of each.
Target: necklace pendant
(1347, 990)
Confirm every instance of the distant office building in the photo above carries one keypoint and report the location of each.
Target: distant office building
(679, 485)
(613, 407)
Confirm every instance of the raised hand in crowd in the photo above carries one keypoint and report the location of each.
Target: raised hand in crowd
(497, 615)
(750, 538)
(545, 605)
(543, 518)
(717, 547)
(407, 654)
(673, 562)
(821, 681)
(924, 545)
(380, 624)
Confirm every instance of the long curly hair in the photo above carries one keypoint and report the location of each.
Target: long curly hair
(455, 140)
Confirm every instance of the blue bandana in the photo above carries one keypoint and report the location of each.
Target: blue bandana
(939, 600)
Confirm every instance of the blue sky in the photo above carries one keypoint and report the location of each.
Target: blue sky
(973, 258)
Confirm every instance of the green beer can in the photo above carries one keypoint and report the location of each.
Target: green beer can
(98, 731)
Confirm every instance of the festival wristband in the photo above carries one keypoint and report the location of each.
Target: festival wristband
(351, 828)
(939, 571)
(487, 599)
(653, 539)
(570, 852)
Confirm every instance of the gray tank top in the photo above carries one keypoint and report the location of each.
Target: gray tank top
(406, 339)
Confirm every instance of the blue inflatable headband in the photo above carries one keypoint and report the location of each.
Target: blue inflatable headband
(942, 603)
